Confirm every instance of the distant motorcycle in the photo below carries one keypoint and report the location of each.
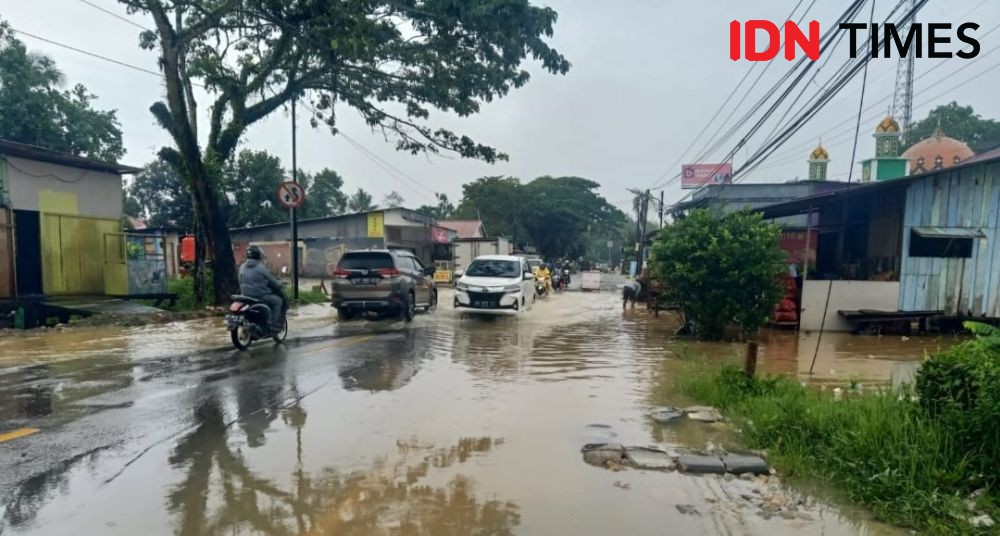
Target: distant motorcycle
(249, 320)
(563, 282)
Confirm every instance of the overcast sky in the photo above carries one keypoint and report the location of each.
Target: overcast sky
(647, 75)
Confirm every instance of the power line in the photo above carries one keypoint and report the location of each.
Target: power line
(88, 53)
(115, 15)
(861, 101)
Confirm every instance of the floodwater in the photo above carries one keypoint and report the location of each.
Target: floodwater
(442, 426)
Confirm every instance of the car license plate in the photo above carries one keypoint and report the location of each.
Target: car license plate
(480, 304)
(365, 281)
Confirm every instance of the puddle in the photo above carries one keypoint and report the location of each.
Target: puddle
(443, 426)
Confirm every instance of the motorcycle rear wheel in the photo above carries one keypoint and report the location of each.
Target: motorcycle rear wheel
(279, 337)
(241, 337)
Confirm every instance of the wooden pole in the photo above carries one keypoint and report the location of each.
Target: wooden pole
(750, 364)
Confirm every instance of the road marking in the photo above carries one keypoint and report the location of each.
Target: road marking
(341, 343)
(22, 432)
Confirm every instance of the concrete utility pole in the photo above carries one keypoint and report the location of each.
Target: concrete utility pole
(295, 217)
(642, 231)
(661, 209)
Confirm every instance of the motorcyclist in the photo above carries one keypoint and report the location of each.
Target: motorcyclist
(545, 275)
(258, 283)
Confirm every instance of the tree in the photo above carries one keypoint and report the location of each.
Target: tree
(393, 200)
(130, 205)
(377, 57)
(361, 201)
(163, 196)
(324, 194)
(721, 271)
(959, 122)
(249, 188)
(443, 210)
(559, 214)
(37, 112)
(494, 200)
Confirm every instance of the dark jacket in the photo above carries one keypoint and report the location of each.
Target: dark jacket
(256, 281)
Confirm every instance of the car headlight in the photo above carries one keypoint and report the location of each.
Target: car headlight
(512, 288)
(462, 286)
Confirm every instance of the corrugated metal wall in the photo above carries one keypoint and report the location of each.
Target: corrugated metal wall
(82, 255)
(965, 198)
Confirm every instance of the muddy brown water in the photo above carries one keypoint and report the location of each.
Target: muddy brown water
(445, 426)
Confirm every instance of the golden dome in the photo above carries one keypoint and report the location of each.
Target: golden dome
(936, 152)
(819, 153)
(888, 125)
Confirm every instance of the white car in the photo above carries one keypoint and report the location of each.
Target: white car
(495, 284)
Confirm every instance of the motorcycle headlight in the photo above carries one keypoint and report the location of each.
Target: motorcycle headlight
(512, 288)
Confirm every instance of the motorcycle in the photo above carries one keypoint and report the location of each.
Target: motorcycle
(563, 282)
(249, 320)
(541, 286)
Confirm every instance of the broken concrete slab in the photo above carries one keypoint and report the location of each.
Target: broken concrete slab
(708, 416)
(697, 463)
(665, 414)
(649, 458)
(697, 409)
(601, 454)
(742, 464)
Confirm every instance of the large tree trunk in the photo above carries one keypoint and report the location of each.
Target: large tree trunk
(216, 233)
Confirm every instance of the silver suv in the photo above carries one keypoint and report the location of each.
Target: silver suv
(382, 281)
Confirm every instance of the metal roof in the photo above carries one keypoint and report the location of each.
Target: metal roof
(949, 232)
(41, 154)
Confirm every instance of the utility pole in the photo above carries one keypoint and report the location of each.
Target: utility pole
(661, 209)
(642, 232)
(295, 218)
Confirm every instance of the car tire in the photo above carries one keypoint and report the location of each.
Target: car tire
(409, 307)
(345, 314)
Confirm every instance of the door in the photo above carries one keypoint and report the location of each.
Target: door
(27, 253)
(421, 281)
(527, 285)
(73, 255)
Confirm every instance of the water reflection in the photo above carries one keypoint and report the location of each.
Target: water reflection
(221, 494)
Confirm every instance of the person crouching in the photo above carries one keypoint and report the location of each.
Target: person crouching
(630, 293)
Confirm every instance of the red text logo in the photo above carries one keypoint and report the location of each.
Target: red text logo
(794, 37)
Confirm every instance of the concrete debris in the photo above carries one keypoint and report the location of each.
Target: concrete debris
(696, 463)
(604, 454)
(648, 458)
(983, 522)
(665, 414)
(742, 464)
(686, 509)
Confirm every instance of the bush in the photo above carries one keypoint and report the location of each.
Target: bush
(721, 271)
(883, 451)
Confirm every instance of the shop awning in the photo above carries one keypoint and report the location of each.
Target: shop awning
(949, 232)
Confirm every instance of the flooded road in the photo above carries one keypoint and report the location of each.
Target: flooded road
(442, 426)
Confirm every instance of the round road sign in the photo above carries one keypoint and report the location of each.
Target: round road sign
(290, 194)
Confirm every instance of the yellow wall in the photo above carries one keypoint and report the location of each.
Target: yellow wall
(82, 255)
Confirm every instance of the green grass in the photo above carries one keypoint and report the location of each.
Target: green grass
(881, 450)
(312, 296)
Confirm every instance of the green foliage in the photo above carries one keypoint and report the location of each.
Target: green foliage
(443, 210)
(721, 271)
(313, 296)
(961, 123)
(393, 200)
(186, 300)
(37, 112)
(882, 451)
(561, 216)
(961, 388)
(249, 185)
(324, 194)
(162, 196)
(361, 201)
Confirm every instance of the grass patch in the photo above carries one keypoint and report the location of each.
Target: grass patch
(883, 451)
(312, 296)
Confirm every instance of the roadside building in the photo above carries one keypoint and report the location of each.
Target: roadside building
(465, 228)
(60, 224)
(928, 242)
(464, 250)
(322, 241)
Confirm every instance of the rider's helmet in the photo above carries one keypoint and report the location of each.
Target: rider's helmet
(254, 252)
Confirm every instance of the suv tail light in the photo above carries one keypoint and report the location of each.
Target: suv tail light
(388, 272)
(341, 273)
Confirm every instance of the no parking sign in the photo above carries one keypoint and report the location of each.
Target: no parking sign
(290, 194)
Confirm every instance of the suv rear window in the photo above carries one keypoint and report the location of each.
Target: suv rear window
(365, 261)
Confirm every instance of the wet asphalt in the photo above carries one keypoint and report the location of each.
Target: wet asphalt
(441, 426)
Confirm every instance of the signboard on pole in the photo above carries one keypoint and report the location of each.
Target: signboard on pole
(698, 175)
(290, 194)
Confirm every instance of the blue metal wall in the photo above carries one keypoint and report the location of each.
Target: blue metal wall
(968, 197)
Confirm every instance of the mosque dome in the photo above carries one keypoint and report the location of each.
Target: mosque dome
(936, 152)
(887, 126)
(819, 153)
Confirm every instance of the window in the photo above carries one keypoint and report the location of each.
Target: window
(952, 247)
(493, 268)
(365, 261)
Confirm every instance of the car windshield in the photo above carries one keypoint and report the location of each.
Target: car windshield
(494, 268)
(365, 261)
(534, 263)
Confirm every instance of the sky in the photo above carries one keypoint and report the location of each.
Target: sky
(647, 77)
